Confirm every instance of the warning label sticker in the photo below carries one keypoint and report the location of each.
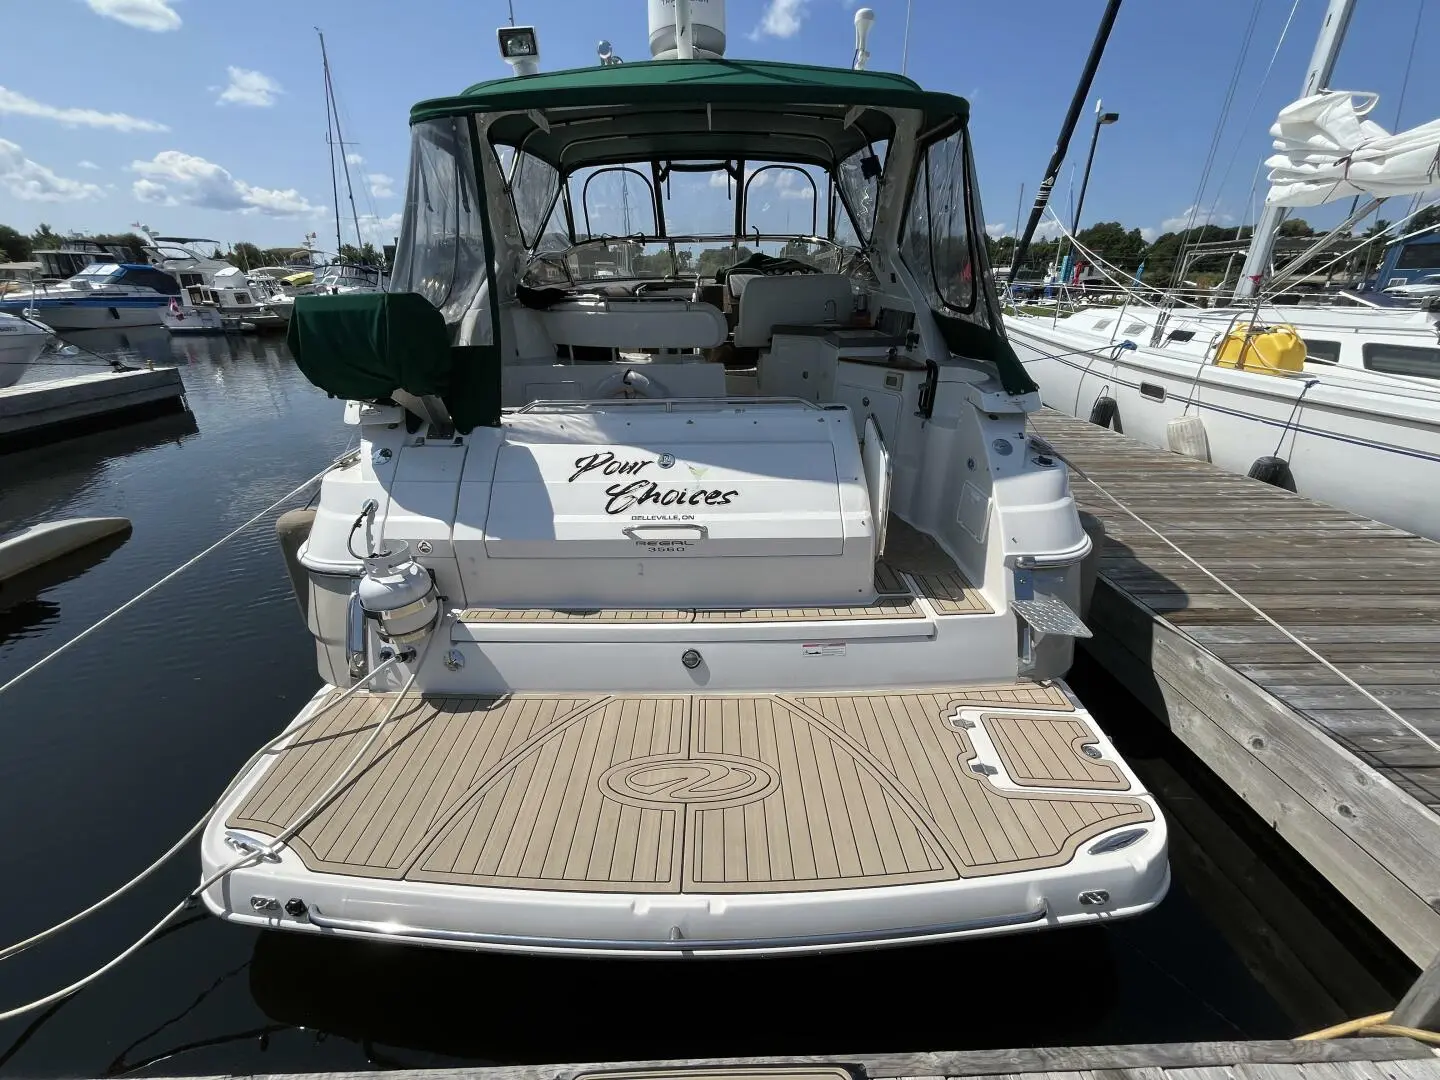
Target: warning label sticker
(823, 648)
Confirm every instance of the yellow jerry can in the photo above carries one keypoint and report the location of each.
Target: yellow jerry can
(1265, 350)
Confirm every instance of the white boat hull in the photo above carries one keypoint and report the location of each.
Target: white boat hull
(88, 315)
(50, 540)
(193, 321)
(21, 343)
(1369, 452)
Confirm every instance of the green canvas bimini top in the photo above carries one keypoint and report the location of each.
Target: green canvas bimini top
(718, 82)
(696, 110)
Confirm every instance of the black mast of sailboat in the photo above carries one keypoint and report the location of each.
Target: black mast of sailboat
(1067, 129)
(335, 138)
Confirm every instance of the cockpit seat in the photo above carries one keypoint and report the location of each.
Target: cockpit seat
(789, 299)
(613, 323)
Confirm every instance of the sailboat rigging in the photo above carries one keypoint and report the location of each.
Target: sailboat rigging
(334, 137)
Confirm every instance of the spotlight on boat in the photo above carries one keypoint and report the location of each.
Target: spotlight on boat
(520, 48)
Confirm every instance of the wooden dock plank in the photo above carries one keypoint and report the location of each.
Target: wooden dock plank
(1391, 1059)
(1352, 788)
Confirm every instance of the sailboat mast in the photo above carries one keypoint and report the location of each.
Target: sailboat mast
(330, 142)
(1317, 78)
(332, 113)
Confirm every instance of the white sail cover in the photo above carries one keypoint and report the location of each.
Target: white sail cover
(1328, 150)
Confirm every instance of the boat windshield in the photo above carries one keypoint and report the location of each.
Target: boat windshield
(346, 276)
(675, 219)
(98, 273)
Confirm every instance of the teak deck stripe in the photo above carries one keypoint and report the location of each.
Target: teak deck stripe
(692, 792)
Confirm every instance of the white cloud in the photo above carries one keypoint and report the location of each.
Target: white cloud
(721, 179)
(249, 88)
(156, 15)
(1148, 235)
(381, 186)
(19, 105)
(781, 18)
(87, 165)
(172, 178)
(1182, 220)
(1048, 229)
(353, 158)
(32, 182)
(996, 229)
(380, 231)
(790, 184)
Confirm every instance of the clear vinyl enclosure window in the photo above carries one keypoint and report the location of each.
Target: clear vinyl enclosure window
(936, 241)
(441, 252)
(860, 193)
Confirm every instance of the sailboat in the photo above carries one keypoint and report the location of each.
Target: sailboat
(340, 276)
(621, 661)
(1341, 404)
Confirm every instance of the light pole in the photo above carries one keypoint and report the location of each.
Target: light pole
(1101, 119)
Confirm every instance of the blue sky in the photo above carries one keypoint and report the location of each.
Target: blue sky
(207, 118)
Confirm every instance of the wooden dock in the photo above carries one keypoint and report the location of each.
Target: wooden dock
(38, 412)
(1353, 1059)
(1351, 789)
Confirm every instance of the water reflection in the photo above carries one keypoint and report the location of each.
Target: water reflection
(486, 1007)
(23, 611)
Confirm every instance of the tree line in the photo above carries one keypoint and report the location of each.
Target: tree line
(1129, 251)
(16, 246)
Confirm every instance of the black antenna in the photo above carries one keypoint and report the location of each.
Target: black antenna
(1052, 171)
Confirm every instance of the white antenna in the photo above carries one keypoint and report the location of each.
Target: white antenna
(905, 49)
(864, 21)
(684, 31)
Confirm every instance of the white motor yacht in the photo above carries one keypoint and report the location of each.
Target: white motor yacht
(691, 594)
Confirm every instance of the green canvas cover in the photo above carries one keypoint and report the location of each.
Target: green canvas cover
(366, 346)
(736, 82)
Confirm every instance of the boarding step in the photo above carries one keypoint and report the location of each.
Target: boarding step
(901, 597)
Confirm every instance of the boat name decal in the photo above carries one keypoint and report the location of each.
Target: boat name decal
(643, 493)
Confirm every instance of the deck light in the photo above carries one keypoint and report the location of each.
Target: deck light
(520, 48)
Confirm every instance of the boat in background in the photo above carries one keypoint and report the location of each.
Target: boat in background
(345, 278)
(22, 341)
(104, 294)
(211, 283)
(1340, 403)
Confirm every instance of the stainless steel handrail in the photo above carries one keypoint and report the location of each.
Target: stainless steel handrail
(401, 932)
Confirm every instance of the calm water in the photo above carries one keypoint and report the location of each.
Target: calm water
(114, 750)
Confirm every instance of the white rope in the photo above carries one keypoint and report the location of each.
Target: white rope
(229, 868)
(36, 939)
(1252, 607)
(168, 577)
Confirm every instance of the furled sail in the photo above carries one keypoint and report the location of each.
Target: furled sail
(1328, 150)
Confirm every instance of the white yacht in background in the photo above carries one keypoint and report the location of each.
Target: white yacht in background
(213, 284)
(1339, 403)
(343, 278)
(630, 655)
(21, 343)
(104, 294)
